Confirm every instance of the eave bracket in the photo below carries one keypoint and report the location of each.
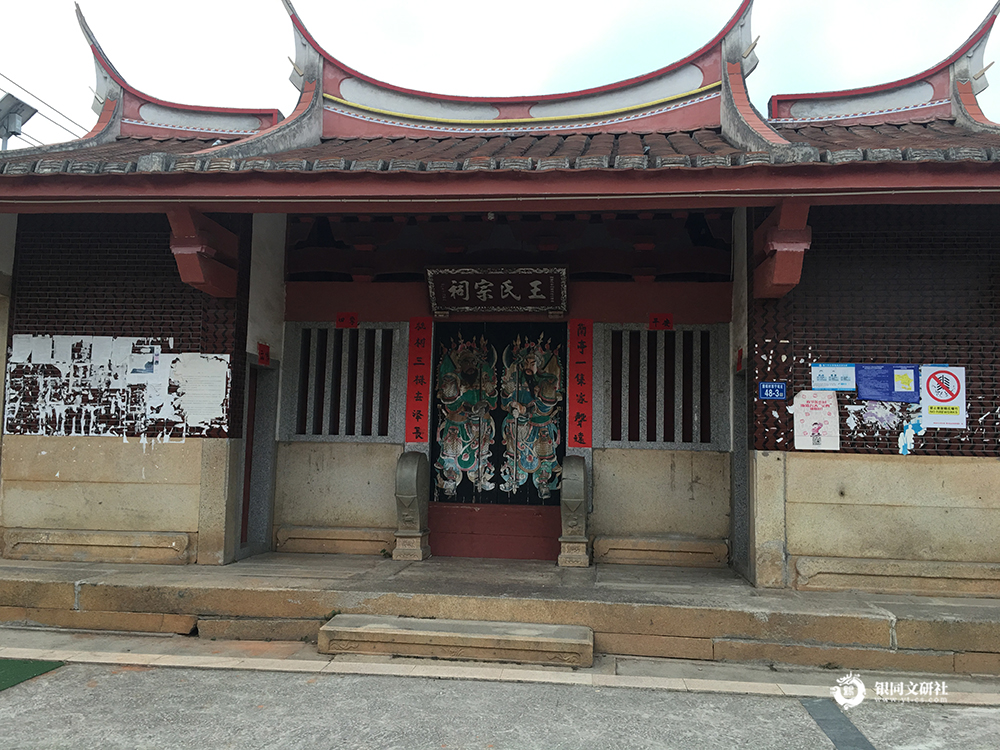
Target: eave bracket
(205, 251)
(779, 247)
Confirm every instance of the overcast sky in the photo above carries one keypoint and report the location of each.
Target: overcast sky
(235, 54)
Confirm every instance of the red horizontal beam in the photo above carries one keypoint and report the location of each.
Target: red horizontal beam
(463, 192)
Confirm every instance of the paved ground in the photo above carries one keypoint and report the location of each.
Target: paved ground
(133, 691)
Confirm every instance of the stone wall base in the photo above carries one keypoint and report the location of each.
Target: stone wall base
(932, 577)
(101, 546)
(661, 550)
(412, 546)
(574, 553)
(334, 540)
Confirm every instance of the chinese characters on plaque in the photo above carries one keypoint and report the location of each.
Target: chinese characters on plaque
(498, 289)
(418, 381)
(579, 389)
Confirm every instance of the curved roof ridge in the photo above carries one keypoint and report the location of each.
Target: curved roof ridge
(717, 39)
(267, 117)
(780, 106)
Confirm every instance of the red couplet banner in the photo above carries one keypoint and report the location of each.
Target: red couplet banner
(418, 381)
(579, 386)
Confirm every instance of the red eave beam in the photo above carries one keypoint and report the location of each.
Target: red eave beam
(779, 247)
(206, 252)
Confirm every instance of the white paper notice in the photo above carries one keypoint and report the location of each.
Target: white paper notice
(20, 348)
(121, 351)
(62, 348)
(942, 397)
(817, 421)
(201, 385)
(827, 377)
(100, 350)
(144, 366)
(41, 350)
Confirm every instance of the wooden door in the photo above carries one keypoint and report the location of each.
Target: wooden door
(497, 439)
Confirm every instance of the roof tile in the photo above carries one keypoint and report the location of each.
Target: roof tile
(553, 162)
(883, 154)
(673, 160)
(406, 165)
(631, 161)
(923, 154)
(842, 155)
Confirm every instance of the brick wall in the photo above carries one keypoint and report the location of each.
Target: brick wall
(114, 275)
(886, 284)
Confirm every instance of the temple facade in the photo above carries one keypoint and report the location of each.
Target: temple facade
(642, 323)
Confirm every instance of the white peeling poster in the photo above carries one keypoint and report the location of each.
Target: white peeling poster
(817, 424)
(942, 397)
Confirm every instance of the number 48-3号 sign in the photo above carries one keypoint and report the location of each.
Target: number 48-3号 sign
(772, 391)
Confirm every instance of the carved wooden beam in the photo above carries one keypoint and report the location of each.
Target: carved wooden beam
(206, 252)
(779, 247)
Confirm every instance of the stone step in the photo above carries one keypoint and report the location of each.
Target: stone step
(565, 645)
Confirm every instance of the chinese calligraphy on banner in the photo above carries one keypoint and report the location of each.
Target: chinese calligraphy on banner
(579, 389)
(498, 289)
(418, 381)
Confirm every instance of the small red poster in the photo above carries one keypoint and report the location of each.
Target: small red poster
(263, 355)
(418, 381)
(579, 388)
(347, 320)
(661, 322)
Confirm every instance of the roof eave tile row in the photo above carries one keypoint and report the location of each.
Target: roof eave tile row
(159, 163)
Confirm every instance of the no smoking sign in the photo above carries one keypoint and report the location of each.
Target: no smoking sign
(942, 397)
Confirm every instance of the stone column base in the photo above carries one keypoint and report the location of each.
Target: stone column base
(412, 547)
(574, 553)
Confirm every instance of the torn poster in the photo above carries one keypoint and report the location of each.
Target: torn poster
(202, 386)
(103, 385)
(20, 348)
(144, 365)
(817, 421)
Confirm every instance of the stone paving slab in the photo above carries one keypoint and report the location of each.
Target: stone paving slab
(608, 671)
(490, 641)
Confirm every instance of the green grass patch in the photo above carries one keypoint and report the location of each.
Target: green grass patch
(14, 671)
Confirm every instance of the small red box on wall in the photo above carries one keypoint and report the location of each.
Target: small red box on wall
(347, 320)
(661, 322)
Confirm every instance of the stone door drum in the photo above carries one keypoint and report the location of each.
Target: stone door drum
(497, 439)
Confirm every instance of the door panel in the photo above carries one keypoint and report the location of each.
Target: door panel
(497, 440)
(499, 413)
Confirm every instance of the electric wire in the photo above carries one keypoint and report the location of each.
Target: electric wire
(42, 114)
(28, 139)
(42, 101)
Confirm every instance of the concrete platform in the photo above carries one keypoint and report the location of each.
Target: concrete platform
(648, 611)
(569, 645)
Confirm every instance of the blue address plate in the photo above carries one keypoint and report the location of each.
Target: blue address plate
(772, 391)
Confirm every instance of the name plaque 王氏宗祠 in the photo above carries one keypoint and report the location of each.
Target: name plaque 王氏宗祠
(497, 289)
